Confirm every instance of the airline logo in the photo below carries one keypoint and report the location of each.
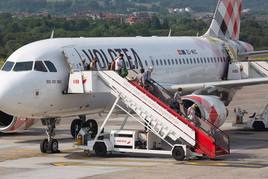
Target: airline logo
(226, 20)
(187, 52)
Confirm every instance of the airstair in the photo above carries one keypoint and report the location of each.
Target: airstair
(164, 122)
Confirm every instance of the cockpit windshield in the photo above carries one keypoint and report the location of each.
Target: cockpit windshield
(8, 66)
(23, 66)
(39, 66)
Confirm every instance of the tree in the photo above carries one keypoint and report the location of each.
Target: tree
(155, 22)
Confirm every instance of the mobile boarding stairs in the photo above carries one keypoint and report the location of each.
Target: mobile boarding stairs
(173, 128)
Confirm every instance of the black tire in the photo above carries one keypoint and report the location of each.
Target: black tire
(100, 149)
(75, 127)
(258, 126)
(54, 146)
(178, 153)
(44, 146)
(92, 125)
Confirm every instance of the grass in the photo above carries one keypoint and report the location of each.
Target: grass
(1, 62)
(262, 59)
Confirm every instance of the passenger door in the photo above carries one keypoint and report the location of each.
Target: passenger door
(73, 59)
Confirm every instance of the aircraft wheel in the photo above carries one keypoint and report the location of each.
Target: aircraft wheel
(54, 146)
(100, 149)
(93, 127)
(75, 127)
(178, 153)
(44, 146)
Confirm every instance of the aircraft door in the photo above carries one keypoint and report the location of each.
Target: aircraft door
(73, 59)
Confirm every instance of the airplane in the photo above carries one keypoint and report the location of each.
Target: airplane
(35, 77)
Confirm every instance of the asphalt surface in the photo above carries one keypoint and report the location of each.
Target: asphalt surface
(20, 156)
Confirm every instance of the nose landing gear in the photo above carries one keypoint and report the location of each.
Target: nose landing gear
(50, 145)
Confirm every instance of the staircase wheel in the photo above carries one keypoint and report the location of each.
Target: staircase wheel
(100, 149)
(178, 153)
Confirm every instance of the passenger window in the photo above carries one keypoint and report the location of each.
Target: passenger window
(187, 61)
(51, 67)
(23, 66)
(8, 66)
(172, 61)
(201, 60)
(152, 62)
(161, 62)
(169, 62)
(183, 61)
(176, 60)
(191, 61)
(194, 61)
(157, 62)
(180, 61)
(39, 66)
(209, 60)
(215, 60)
(165, 62)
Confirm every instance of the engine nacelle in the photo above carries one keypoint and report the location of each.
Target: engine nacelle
(210, 108)
(9, 124)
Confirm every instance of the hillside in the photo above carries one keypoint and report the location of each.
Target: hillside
(120, 6)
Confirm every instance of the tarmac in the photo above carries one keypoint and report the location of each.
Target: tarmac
(20, 156)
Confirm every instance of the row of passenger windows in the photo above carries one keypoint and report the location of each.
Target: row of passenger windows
(165, 62)
(28, 66)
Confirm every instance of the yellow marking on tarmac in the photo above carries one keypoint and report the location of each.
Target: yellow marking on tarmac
(67, 164)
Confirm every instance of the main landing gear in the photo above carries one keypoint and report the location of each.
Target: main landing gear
(90, 124)
(50, 145)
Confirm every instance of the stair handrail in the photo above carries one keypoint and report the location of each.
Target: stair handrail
(201, 120)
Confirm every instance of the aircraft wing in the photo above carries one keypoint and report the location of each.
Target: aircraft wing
(230, 84)
(254, 54)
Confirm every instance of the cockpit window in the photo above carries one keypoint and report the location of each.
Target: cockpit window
(8, 66)
(39, 66)
(23, 66)
(51, 67)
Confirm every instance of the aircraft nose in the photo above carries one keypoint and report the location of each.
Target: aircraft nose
(4, 92)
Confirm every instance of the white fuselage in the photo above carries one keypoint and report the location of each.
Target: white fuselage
(176, 60)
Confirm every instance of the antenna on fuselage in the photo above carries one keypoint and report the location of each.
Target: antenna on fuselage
(52, 34)
(169, 34)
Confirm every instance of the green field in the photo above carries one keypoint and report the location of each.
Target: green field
(1, 63)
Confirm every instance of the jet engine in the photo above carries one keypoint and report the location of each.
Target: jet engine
(9, 124)
(210, 108)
